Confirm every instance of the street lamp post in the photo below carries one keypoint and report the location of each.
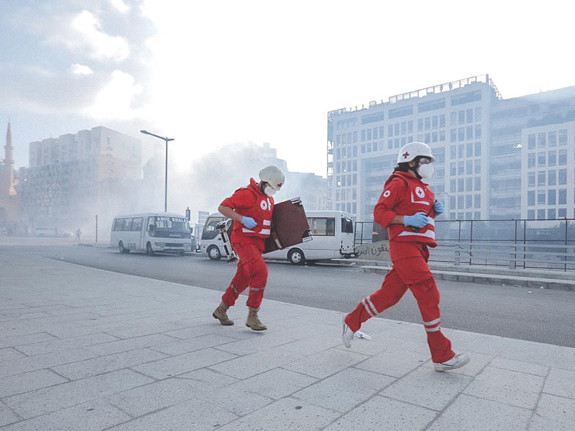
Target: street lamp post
(166, 140)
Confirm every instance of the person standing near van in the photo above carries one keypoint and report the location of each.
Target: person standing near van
(251, 209)
(407, 208)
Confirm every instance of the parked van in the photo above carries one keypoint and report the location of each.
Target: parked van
(151, 233)
(332, 238)
(211, 243)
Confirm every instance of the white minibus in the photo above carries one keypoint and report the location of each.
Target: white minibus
(151, 233)
(332, 238)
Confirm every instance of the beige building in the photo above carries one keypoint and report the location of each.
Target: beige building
(76, 177)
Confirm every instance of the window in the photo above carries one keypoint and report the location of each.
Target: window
(137, 224)
(541, 178)
(552, 214)
(531, 142)
(552, 139)
(322, 226)
(478, 166)
(562, 137)
(531, 160)
(562, 176)
(541, 197)
(562, 157)
(551, 197)
(541, 214)
(541, 142)
(541, 156)
(562, 212)
(562, 196)
(552, 158)
(477, 149)
(346, 225)
(552, 178)
(531, 179)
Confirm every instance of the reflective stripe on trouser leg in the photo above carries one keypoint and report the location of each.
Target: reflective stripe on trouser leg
(427, 296)
(390, 292)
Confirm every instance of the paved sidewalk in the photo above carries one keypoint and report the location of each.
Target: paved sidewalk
(86, 349)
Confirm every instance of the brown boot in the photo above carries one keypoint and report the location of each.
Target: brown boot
(253, 321)
(221, 315)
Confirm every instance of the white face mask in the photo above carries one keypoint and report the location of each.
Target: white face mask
(425, 171)
(270, 191)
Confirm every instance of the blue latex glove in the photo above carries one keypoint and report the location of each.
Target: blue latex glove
(438, 207)
(418, 220)
(248, 222)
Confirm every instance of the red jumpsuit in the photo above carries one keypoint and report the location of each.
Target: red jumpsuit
(248, 244)
(404, 194)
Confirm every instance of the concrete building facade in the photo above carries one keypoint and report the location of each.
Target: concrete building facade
(479, 140)
(73, 178)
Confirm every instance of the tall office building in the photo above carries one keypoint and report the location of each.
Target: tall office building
(480, 142)
(75, 177)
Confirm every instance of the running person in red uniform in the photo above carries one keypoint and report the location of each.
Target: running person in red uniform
(251, 210)
(407, 208)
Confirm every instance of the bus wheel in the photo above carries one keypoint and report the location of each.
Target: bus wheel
(149, 250)
(214, 252)
(121, 248)
(296, 256)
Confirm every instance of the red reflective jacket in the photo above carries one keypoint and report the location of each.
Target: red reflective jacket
(250, 201)
(404, 194)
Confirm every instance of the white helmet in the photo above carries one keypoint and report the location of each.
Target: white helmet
(412, 150)
(273, 176)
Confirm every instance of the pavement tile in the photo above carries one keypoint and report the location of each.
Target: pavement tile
(207, 378)
(539, 423)
(522, 367)
(560, 383)
(325, 363)
(235, 399)
(195, 414)
(64, 344)
(285, 414)
(381, 413)
(10, 354)
(175, 365)
(243, 367)
(277, 383)
(197, 343)
(476, 414)
(91, 416)
(130, 344)
(344, 390)
(427, 388)
(105, 364)
(38, 362)
(507, 387)
(22, 340)
(58, 397)
(7, 416)
(152, 397)
(557, 408)
(257, 343)
(26, 382)
(394, 363)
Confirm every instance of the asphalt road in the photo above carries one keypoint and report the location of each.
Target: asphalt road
(544, 316)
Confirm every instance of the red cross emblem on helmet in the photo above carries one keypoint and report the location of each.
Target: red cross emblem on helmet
(405, 155)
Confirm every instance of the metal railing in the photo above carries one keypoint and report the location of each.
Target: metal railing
(516, 244)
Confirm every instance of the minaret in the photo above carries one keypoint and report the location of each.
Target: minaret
(8, 173)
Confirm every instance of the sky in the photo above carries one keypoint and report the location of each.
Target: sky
(215, 73)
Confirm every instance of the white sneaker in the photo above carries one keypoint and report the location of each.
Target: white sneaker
(457, 361)
(347, 335)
